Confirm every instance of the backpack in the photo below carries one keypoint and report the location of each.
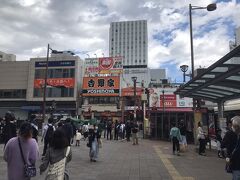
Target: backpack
(49, 133)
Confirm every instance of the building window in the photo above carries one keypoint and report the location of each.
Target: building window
(13, 94)
(55, 73)
(54, 92)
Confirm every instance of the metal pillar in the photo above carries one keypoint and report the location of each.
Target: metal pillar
(191, 40)
(45, 86)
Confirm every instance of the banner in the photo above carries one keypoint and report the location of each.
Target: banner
(157, 97)
(130, 91)
(110, 65)
(91, 66)
(101, 86)
(168, 100)
(55, 82)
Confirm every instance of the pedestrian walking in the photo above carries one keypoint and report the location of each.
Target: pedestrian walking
(135, 129)
(122, 130)
(47, 135)
(94, 142)
(85, 131)
(34, 125)
(183, 131)
(229, 140)
(109, 130)
(128, 130)
(57, 156)
(68, 129)
(219, 142)
(78, 137)
(175, 136)
(202, 140)
(233, 163)
(116, 130)
(17, 160)
(9, 129)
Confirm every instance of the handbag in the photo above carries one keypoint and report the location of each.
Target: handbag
(228, 167)
(56, 171)
(29, 170)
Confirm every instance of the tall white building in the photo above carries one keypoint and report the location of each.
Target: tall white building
(129, 39)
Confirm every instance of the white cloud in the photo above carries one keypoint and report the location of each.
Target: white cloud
(84, 25)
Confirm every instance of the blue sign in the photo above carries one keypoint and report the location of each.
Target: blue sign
(54, 63)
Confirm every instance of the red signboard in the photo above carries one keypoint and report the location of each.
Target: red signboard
(130, 91)
(106, 63)
(169, 100)
(55, 82)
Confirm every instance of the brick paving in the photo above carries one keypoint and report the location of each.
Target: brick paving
(150, 160)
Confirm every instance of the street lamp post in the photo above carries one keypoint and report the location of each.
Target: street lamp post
(210, 7)
(45, 81)
(184, 69)
(163, 105)
(45, 85)
(134, 79)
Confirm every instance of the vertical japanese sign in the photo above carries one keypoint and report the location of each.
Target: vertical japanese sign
(101, 86)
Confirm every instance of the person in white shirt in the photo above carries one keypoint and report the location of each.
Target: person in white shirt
(201, 138)
(78, 137)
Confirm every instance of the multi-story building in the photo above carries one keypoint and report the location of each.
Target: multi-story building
(101, 88)
(22, 85)
(129, 39)
(7, 57)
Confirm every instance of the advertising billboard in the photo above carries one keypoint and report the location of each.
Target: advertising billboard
(130, 91)
(110, 65)
(157, 98)
(101, 86)
(91, 66)
(106, 65)
(55, 82)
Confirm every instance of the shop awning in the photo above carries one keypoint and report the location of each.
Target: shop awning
(218, 83)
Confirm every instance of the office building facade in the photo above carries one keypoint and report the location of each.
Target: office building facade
(129, 39)
(22, 84)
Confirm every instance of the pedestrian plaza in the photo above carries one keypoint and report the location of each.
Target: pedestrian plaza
(150, 160)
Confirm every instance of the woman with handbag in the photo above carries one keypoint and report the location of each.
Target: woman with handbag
(21, 154)
(57, 156)
(94, 143)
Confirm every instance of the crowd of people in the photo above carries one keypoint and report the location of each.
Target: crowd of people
(21, 149)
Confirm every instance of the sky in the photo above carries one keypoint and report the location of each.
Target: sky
(27, 26)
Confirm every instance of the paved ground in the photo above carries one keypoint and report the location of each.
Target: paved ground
(151, 160)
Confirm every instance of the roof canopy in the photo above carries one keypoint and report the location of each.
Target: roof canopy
(219, 82)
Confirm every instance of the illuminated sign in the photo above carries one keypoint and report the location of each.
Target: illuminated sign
(101, 86)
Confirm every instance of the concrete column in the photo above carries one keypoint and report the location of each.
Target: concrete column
(220, 109)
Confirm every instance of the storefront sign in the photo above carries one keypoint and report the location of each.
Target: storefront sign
(54, 63)
(101, 86)
(55, 82)
(170, 99)
(130, 91)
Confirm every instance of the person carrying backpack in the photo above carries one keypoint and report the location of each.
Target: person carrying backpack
(48, 131)
(34, 126)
